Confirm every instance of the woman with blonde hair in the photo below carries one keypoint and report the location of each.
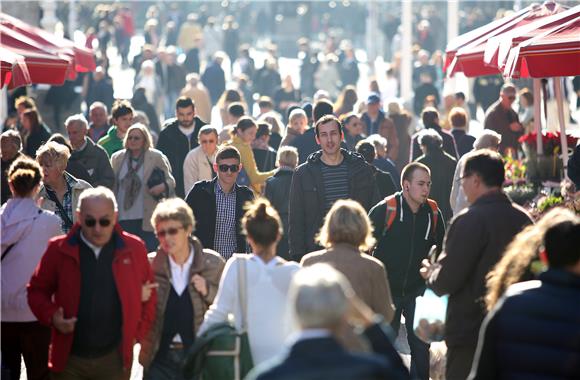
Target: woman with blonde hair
(522, 260)
(346, 234)
(142, 178)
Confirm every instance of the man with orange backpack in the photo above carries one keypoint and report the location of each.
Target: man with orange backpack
(406, 225)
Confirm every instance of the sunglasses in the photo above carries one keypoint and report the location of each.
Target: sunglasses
(136, 138)
(104, 222)
(233, 168)
(170, 231)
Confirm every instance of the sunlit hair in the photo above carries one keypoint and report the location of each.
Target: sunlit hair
(261, 222)
(346, 222)
(53, 153)
(173, 209)
(515, 264)
(147, 139)
(24, 174)
(12, 136)
(99, 192)
(77, 119)
(287, 156)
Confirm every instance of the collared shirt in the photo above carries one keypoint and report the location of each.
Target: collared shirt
(66, 202)
(82, 146)
(180, 273)
(225, 241)
(96, 250)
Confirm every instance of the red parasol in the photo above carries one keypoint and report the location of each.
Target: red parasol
(13, 69)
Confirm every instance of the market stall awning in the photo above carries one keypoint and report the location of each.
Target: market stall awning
(13, 69)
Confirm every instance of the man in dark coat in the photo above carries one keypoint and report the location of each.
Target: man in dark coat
(330, 174)
(430, 119)
(474, 243)
(385, 182)
(500, 117)
(218, 206)
(213, 78)
(178, 137)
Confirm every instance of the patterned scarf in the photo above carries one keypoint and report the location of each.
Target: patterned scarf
(131, 182)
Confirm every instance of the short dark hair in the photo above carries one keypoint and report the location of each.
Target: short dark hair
(431, 140)
(460, 95)
(264, 129)
(236, 109)
(322, 108)
(429, 116)
(325, 120)
(184, 102)
(367, 150)
(121, 108)
(228, 152)
(562, 244)
(409, 170)
(488, 165)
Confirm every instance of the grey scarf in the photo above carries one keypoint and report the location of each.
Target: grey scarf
(131, 183)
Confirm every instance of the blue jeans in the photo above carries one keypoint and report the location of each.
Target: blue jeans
(419, 349)
(167, 367)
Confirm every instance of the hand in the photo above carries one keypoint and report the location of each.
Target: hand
(147, 289)
(359, 313)
(200, 284)
(426, 269)
(515, 126)
(157, 189)
(62, 324)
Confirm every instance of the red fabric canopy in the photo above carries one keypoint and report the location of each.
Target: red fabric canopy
(497, 48)
(13, 69)
(553, 53)
(84, 60)
(469, 58)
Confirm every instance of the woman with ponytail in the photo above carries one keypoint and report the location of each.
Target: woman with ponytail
(267, 279)
(26, 230)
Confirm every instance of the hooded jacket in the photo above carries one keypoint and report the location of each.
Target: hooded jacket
(111, 142)
(307, 204)
(27, 229)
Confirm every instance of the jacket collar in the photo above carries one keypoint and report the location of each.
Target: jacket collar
(492, 197)
(561, 277)
(70, 245)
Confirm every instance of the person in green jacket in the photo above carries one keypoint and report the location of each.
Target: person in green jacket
(122, 113)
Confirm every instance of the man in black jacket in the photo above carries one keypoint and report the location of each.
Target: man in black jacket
(178, 136)
(218, 206)
(330, 174)
(385, 182)
(87, 154)
(414, 229)
(430, 119)
(475, 242)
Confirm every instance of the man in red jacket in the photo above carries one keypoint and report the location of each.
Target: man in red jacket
(88, 287)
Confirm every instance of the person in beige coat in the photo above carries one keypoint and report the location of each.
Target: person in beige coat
(142, 178)
(198, 164)
(346, 233)
(196, 91)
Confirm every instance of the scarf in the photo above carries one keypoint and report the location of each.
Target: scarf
(131, 183)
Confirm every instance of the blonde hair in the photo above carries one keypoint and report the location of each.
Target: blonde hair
(173, 209)
(53, 152)
(346, 222)
(515, 264)
(148, 140)
(287, 156)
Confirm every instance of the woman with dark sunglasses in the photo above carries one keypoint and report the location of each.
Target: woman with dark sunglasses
(187, 278)
(142, 178)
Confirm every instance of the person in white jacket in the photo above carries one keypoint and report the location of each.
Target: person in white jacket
(198, 164)
(26, 229)
(268, 279)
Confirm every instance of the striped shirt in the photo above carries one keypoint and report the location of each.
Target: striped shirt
(225, 241)
(335, 180)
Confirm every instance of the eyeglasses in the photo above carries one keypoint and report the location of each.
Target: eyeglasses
(104, 222)
(172, 231)
(233, 168)
(136, 138)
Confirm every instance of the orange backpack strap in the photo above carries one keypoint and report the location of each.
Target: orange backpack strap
(435, 213)
(391, 214)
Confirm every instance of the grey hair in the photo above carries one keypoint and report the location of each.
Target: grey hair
(287, 156)
(99, 192)
(207, 129)
(319, 296)
(98, 105)
(12, 136)
(79, 119)
(487, 139)
(430, 138)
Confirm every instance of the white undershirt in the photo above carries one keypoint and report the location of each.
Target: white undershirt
(180, 273)
(96, 250)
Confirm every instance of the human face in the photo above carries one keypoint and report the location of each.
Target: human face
(135, 141)
(418, 188)
(98, 117)
(185, 116)
(100, 211)
(249, 135)
(373, 108)
(299, 124)
(51, 171)
(124, 122)
(507, 99)
(228, 178)
(175, 237)
(76, 134)
(329, 138)
(26, 123)
(354, 127)
(8, 149)
(208, 143)
(469, 185)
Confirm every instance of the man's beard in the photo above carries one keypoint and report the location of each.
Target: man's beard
(188, 125)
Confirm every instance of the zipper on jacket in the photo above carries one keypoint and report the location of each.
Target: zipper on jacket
(410, 256)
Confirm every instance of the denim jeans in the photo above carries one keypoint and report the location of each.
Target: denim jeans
(419, 349)
(166, 367)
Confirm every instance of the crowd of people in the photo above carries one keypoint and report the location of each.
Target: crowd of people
(311, 217)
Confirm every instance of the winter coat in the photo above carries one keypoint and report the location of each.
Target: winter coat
(57, 283)
(442, 167)
(26, 229)
(96, 162)
(278, 193)
(197, 167)
(307, 204)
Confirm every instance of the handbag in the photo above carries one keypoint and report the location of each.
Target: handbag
(222, 352)
(157, 177)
